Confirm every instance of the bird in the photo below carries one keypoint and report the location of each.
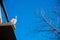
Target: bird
(14, 20)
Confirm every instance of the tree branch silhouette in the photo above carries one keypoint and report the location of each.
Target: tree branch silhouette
(51, 27)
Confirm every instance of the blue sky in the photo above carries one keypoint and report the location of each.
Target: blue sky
(26, 11)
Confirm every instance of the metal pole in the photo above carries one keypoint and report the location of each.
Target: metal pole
(4, 11)
(0, 15)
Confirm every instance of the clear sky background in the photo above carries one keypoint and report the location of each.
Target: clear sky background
(26, 11)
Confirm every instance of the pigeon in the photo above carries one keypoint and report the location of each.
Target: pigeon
(14, 20)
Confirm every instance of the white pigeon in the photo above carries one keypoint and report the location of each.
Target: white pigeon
(14, 20)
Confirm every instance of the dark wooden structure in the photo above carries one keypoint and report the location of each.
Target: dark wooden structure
(7, 32)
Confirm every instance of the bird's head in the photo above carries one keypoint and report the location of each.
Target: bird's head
(15, 17)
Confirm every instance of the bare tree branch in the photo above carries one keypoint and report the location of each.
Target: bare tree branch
(56, 12)
(52, 28)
